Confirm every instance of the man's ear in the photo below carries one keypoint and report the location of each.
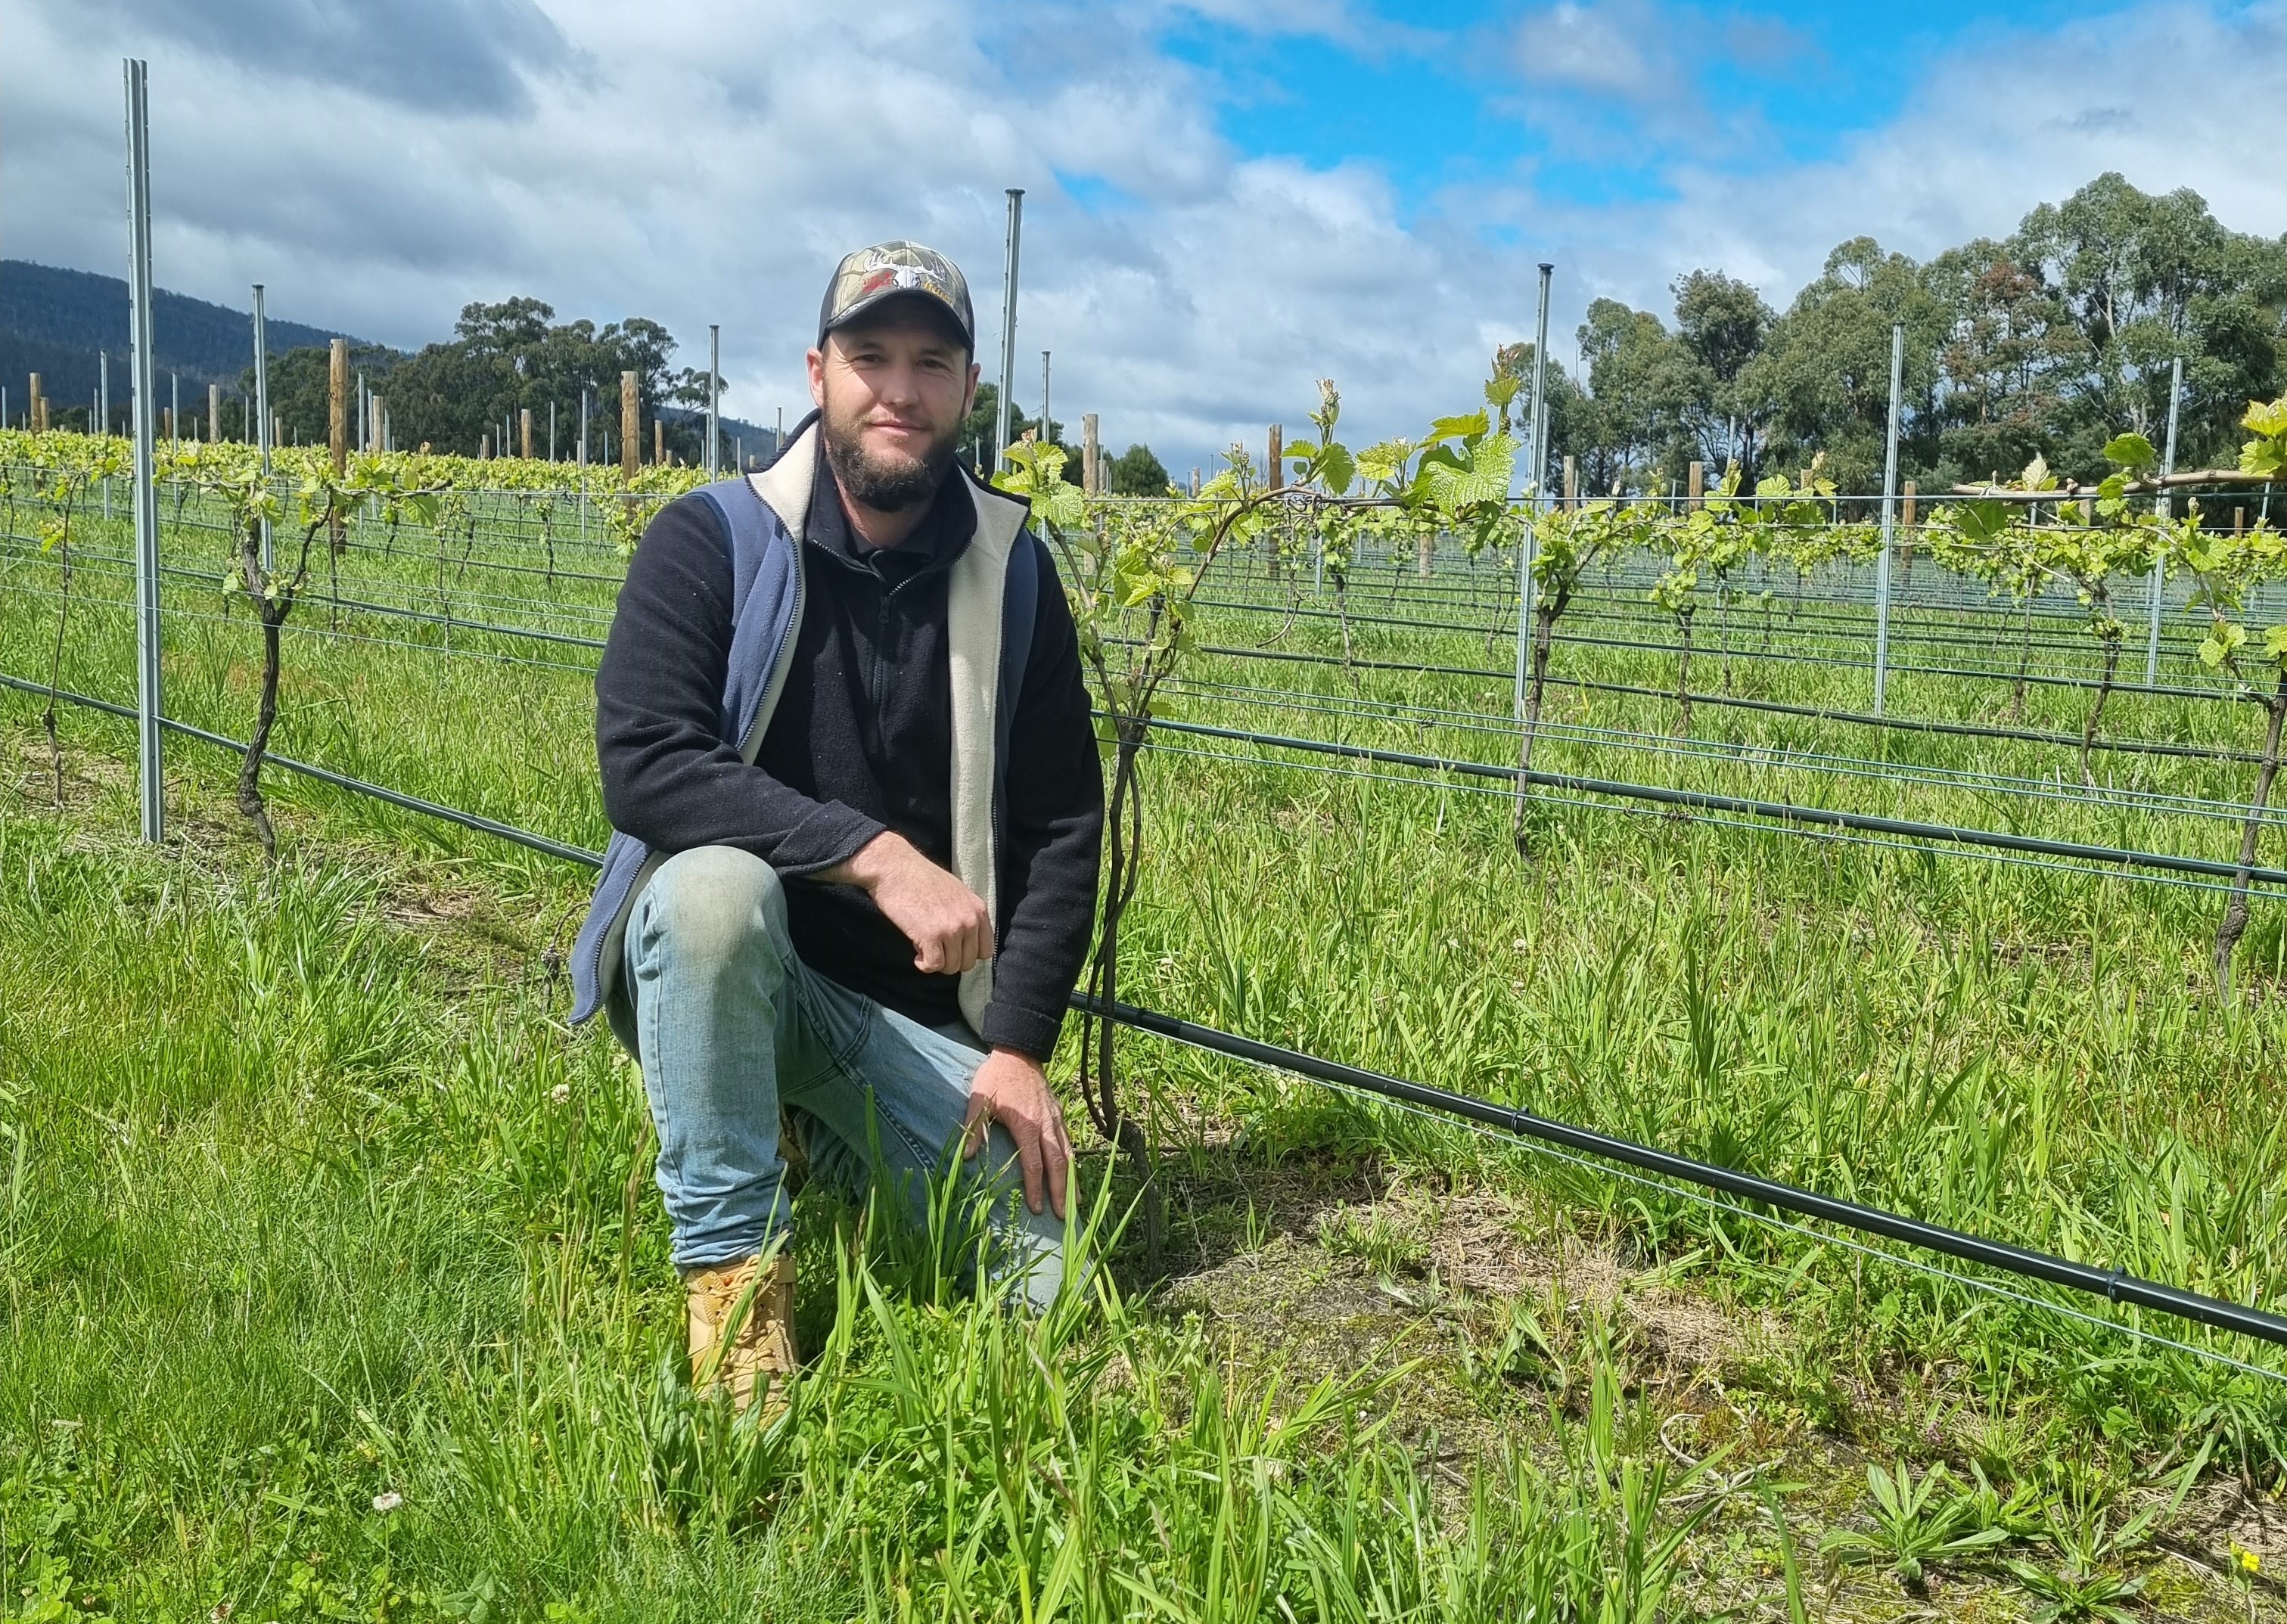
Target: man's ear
(969, 400)
(817, 363)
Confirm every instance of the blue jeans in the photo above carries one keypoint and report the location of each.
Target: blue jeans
(730, 1025)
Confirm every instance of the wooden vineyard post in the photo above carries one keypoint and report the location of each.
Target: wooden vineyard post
(36, 407)
(337, 410)
(630, 427)
(484, 448)
(337, 448)
(1571, 480)
(166, 423)
(1088, 450)
(214, 413)
(523, 433)
(659, 442)
(1698, 485)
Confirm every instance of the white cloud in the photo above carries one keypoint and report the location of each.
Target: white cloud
(708, 161)
(1600, 48)
(1983, 139)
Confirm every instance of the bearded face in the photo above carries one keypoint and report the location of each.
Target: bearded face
(891, 393)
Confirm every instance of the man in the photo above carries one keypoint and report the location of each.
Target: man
(847, 753)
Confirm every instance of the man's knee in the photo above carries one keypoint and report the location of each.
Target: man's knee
(712, 905)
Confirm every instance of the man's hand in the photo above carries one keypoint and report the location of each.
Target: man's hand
(1012, 1090)
(947, 923)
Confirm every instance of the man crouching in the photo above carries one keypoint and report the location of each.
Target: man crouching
(848, 760)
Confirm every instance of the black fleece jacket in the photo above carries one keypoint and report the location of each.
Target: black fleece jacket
(861, 741)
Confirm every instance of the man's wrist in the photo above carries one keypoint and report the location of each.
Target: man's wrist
(866, 867)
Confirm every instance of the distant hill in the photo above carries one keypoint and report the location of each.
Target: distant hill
(54, 321)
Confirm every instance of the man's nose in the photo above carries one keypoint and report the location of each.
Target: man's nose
(901, 383)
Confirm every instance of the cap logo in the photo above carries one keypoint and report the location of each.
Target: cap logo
(894, 267)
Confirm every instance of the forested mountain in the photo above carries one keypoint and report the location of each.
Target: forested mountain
(55, 321)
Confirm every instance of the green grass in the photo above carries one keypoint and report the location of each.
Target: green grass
(295, 1218)
(312, 1219)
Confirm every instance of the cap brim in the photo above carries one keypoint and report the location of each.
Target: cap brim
(920, 299)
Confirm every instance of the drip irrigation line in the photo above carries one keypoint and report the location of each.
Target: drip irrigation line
(1780, 811)
(1842, 629)
(2045, 679)
(2113, 1285)
(325, 775)
(557, 573)
(1716, 1203)
(314, 593)
(2156, 803)
(2054, 611)
(2126, 690)
(313, 629)
(1822, 837)
(1908, 724)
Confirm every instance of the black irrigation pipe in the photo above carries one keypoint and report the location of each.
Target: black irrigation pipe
(2035, 678)
(313, 595)
(1838, 627)
(1702, 801)
(1704, 651)
(1909, 724)
(2115, 1286)
(395, 797)
(407, 554)
(2052, 611)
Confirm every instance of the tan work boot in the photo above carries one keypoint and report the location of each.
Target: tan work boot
(760, 1343)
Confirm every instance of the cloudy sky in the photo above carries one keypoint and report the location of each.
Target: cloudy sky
(1224, 199)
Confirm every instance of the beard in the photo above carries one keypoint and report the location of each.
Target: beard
(888, 482)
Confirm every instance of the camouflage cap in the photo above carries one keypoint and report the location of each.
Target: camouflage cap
(868, 277)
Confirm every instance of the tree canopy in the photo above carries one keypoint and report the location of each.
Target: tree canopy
(501, 359)
(2046, 343)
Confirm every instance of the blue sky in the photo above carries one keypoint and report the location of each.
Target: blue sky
(1226, 200)
(1456, 103)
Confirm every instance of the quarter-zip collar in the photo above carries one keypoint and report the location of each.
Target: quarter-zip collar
(937, 543)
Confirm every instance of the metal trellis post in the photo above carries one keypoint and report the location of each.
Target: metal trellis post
(262, 414)
(150, 780)
(1525, 545)
(714, 396)
(1008, 333)
(1890, 518)
(2167, 467)
(103, 411)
